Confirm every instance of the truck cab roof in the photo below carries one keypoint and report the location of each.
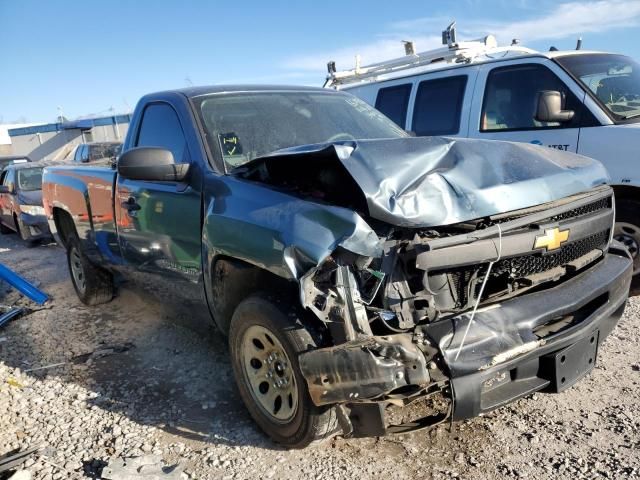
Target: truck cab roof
(197, 91)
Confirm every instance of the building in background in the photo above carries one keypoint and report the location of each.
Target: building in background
(5, 139)
(54, 141)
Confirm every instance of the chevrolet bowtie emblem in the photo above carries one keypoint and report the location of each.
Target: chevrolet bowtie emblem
(552, 239)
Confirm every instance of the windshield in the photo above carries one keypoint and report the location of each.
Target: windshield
(99, 151)
(613, 79)
(249, 125)
(30, 179)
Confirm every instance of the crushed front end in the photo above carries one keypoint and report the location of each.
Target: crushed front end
(468, 317)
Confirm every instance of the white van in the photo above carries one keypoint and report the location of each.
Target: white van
(579, 101)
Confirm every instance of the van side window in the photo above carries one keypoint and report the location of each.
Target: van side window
(393, 102)
(438, 106)
(511, 99)
(160, 127)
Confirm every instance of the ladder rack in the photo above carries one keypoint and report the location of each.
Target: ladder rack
(453, 52)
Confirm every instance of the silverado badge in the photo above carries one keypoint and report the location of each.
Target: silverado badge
(552, 239)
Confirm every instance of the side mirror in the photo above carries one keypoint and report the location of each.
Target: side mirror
(550, 103)
(4, 189)
(152, 164)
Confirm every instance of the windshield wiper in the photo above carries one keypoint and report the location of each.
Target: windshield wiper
(633, 115)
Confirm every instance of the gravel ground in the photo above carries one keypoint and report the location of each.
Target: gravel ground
(132, 382)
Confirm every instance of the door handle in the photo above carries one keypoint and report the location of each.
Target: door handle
(131, 205)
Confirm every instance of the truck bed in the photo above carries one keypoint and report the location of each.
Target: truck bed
(86, 193)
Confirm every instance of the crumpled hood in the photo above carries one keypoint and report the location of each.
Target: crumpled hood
(432, 181)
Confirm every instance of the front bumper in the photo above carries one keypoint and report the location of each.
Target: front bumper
(529, 343)
(506, 353)
(36, 226)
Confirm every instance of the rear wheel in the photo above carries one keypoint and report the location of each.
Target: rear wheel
(627, 229)
(265, 342)
(92, 284)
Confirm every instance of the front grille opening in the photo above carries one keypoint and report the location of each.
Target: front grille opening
(602, 204)
(527, 265)
(459, 286)
(512, 275)
(559, 324)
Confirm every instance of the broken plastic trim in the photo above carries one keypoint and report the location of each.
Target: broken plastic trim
(364, 369)
(340, 304)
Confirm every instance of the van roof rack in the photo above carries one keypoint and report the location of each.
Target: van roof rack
(452, 52)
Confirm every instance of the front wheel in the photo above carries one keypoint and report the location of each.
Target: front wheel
(627, 229)
(23, 231)
(265, 342)
(93, 285)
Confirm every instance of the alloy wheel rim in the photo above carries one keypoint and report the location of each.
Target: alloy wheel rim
(629, 235)
(269, 374)
(77, 271)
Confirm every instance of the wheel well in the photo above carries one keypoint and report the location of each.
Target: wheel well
(233, 280)
(64, 224)
(626, 192)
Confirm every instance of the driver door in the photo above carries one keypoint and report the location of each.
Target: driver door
(159, 222)
(507, 106)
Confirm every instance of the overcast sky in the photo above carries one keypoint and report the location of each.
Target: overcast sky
(96, 57)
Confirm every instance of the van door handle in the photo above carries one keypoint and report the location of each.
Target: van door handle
(131, 205)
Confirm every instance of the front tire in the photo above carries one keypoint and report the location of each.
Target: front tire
(627, 229)
(265, 341)
(21, 229)
(92, 284)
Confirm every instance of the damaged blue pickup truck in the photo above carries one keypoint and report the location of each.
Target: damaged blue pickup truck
(369, 282)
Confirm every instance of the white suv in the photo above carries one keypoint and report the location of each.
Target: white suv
(579, 101)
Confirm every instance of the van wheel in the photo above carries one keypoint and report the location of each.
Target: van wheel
(265, 341)
(92, 284)
(627, 229)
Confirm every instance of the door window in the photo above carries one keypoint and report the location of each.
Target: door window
(438, 106)
(160, 127)
(511, 99)
(393, 102)
(8, 179)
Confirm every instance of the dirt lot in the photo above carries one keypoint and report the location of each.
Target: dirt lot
(133, 382)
